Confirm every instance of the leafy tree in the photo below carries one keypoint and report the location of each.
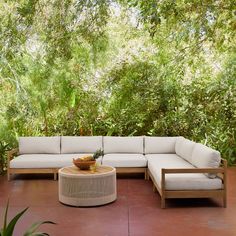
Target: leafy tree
(124, 67)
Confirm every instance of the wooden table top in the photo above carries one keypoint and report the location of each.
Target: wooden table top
(75, 170)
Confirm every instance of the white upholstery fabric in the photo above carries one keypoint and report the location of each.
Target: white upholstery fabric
(204, 157)
(184, 148)
(80, 144)
(124, 160)
(179, 181)
(159, 144)
(39, 145)
(45, 160)
(37, 161)
(178, 145)
(67, 159)
(123, 144)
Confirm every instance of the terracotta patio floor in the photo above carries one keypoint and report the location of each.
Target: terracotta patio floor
(136, 212)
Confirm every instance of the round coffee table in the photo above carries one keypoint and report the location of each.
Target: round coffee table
(85, 187)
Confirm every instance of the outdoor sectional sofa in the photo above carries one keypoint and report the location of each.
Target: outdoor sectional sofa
(178, 167)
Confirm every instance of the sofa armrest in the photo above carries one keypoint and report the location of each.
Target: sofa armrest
(11, 154)
(193, 170)
(220, 171)
(224, 163)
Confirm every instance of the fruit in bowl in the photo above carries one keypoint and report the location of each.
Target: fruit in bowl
(86, 161)
(83, 165)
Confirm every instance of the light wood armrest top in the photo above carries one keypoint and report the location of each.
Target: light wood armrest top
(221, 169)
(11, 153)
(224, 162)
(193, 170)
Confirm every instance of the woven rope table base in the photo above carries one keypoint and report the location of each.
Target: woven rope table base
(86, 188)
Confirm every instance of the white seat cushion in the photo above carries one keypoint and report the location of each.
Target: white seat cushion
(205, 157)
(45, 160)
(184, 148)
(36, 161)
(124, 160)
(123, 144)
(159, 144)
(39, 145)
(179, 181)
(67, 159)
(80, 144)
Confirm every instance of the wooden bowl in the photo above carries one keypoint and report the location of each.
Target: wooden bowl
(83, 165)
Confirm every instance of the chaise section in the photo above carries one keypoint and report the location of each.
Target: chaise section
(184, 181)
(193, 171)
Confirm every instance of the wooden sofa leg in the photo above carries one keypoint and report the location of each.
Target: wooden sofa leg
(154, 188)
(8, 176)
(224, 201)
(55, 176)
(147, 177)
(163, 203)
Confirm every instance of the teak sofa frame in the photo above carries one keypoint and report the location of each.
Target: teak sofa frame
(54, 171)
(221, 172)
(165, 194)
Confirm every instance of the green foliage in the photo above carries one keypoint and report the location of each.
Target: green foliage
(97, 154)
(8, 228)
(3, 148)
(122, 67)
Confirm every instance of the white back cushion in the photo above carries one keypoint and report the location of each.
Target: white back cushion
(205, 157)
(80, 144)
(39, 145)
(123, 144)
(159, 144)
(184, 148)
